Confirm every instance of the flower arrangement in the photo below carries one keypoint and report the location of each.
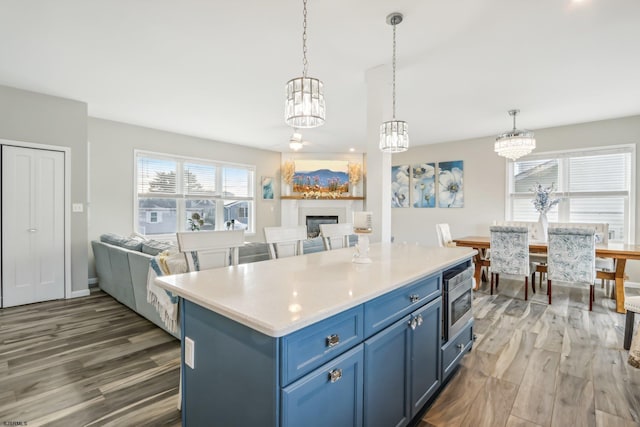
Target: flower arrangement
(196, 221)
(288, 171)
(543, 201)
(355, 173)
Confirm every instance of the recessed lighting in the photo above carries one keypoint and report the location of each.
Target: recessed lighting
(352, 149)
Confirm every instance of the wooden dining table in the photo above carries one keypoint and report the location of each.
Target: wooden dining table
(619, 252)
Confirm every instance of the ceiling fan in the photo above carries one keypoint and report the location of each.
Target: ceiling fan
(296, 142)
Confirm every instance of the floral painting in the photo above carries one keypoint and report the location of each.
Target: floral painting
(450, 184)
(423, 181)
(400, 186)
(267, 188)
(321, 176)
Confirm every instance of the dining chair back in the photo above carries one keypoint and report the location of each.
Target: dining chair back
(210, 249)
(510, 254)
(572, 257)
(444, 235)
(335, 236)
(285, 241)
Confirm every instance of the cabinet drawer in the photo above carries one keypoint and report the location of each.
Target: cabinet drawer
(457, 347)
(329, 396)
(385, 310)
(308, 348)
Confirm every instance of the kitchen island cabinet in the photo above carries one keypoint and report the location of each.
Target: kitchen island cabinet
(310, 340)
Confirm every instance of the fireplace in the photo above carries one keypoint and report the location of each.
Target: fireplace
(313, 223)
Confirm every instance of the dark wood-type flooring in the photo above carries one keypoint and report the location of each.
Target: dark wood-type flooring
(93, 362)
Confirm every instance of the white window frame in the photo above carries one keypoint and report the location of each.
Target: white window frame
(180, 206)
(563, 214)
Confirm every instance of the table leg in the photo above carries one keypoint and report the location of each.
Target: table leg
(620, 264)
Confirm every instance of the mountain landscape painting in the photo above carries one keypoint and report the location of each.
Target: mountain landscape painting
(321, 176)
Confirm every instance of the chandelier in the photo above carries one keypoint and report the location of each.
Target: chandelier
(304, 106)
(515, 143)
(394, 134)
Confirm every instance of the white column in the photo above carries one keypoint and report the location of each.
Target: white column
(378, 164)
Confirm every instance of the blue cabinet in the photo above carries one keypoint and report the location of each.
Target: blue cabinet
(402, 367)
(329, 396)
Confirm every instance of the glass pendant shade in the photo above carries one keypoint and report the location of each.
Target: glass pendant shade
(394, 136)
(515, 143)
(304, 106)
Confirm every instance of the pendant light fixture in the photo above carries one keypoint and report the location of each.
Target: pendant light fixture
(394, 135)
(304, 106)
(515, 143)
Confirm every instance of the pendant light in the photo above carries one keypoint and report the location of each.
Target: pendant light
(515, 143)
(394, 135)
(304, 106)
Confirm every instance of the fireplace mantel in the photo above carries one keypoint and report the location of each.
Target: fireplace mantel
(295, 208)
(299, 197)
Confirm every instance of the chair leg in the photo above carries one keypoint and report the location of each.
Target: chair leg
(533, 281)
(497, 280)
(526, 288)
(492, 274)
(591, 297)
(549, 289)
(628, 330)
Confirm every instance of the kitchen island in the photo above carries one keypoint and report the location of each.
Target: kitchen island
(317, 339)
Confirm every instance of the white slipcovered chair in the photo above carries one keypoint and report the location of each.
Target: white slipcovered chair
(444, 235)
(572, 258)
(335, 236)
(285, 241)
(510, 254)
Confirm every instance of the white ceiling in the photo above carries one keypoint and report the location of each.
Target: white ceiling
(217, 69)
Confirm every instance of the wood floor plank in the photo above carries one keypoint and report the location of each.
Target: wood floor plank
(495, 406)
(604, 419)
(514, 421)
(574, 402)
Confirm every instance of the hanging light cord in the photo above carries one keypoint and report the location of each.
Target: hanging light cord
(305, 63)
(394, 69)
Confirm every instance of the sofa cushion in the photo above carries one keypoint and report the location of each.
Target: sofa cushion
(123, 242)
(154, 247)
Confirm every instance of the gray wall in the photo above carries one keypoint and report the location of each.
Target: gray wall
(485, 179)
(34, 117)
(111, 197)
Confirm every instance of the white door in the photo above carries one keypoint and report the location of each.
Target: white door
(32, 225)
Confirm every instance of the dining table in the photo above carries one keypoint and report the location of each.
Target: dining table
(619, 252)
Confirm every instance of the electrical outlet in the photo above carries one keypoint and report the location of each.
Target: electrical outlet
(189, 351)
(77, 207)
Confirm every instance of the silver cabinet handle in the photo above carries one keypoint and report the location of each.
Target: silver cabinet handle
(333, 340)
(460, 347)
(335, 375)
(414, 297)
(32, 230)
(413, 323)
(420, 320)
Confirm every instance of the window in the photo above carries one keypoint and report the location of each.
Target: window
(170, 189)
(593, 185)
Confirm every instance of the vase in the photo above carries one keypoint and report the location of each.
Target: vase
(354, 190)
(287, 189)
(543, 224)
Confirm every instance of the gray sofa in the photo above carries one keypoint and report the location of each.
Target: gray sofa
(122, 265)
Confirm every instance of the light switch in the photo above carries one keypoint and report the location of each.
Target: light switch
(77, 207)
(189, 350)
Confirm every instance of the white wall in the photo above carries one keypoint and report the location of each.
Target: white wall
(485, 179)
(112, 146)
(38, 118)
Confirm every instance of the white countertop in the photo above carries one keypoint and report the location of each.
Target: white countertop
(281, 296)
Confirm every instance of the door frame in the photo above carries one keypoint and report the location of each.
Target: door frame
(67, 204)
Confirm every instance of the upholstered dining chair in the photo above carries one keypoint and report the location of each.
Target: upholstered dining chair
(335, 236)
(572, 258)
(510, 254)
(285, 241)
(204, 250)
(632, 305)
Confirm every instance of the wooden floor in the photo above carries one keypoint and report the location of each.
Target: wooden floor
(91, 361)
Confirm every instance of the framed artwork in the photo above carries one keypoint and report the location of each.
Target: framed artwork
(267, 188)
(400, 186)
(323, 176)
(451, 184)
(423, 182)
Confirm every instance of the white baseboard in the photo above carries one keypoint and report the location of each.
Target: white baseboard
(633, 285)
(80, 293)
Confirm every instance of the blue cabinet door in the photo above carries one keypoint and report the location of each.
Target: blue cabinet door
(329, 396)
(386, 391)
(425, 355)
